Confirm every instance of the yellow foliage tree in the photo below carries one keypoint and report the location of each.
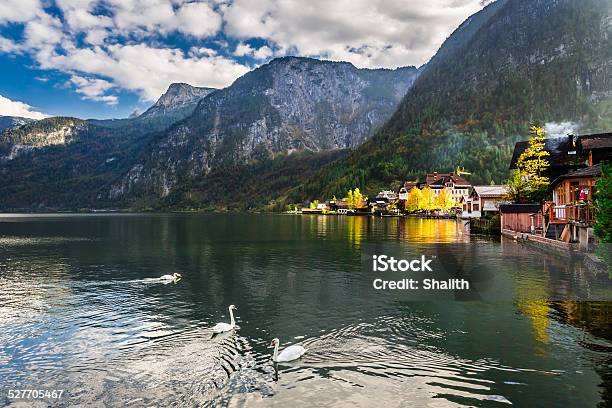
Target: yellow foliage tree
(413, 201)
(528, 183)
(357, 197)
(428, 202)
(445, 201)
(350, 200)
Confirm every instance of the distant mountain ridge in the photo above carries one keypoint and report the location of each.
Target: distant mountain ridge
(8, 122)
(287, 106)
(290, 104)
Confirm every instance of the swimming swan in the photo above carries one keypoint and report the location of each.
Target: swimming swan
(173, 277)
(289, 354)
(224, 327)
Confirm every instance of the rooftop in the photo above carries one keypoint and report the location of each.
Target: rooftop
(491, 191)
(566, 150)
(520, 208)
(441, 179)
(586, 172)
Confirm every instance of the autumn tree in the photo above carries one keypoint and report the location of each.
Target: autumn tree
(357, 197)
(528, 182)
(413, 201)
(444, 200)
(350, 200)
(428, 201)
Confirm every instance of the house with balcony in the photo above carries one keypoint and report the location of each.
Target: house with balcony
(575, 166)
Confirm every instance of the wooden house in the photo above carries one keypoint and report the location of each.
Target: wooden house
(575, 166)
(521, 218)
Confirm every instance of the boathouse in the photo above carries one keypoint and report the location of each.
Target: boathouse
(526, 218)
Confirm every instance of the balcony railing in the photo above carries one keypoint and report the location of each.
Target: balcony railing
(577, 212)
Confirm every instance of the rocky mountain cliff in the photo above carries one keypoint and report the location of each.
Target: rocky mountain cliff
(39, 134)
(514, 63)
(290, 104)
(179, 97)
(177, 103)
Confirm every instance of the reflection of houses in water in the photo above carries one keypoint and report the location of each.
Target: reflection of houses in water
(551, 285)
(431, 231)
(594, 317)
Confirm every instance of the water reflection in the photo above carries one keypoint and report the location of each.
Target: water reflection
(78, 311)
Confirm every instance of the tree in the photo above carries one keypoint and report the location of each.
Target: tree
(528, 183)
(428, 201)
(413, 202)
(444, 200)
(517, 188)
(603, 202)
(314, 204)
(357, 197)
(350, 200)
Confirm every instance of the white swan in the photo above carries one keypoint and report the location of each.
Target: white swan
(173, 277)
(289, 354)
(225, 327)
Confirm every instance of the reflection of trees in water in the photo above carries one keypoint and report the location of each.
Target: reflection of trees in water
(593, 317)
(596, 319)
(565, 276)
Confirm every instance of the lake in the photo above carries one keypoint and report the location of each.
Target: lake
(81, 311)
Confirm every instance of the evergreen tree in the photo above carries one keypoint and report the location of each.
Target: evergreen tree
(603, 201)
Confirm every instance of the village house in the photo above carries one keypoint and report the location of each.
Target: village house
(483, 201)
(457, 186)
(575, 166)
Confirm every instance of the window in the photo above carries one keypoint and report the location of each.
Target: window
(476, 207)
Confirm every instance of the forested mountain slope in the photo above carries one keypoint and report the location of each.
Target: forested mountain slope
(521, 61)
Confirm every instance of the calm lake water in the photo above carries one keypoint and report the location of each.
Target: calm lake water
(79, 311)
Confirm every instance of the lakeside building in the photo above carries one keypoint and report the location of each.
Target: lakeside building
(483, 201)
(457, 186)
(575, 166)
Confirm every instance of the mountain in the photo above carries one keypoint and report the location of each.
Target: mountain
(177, 103)
(179, 98)
(8, 122)
(290, 104)
(62, 162)
(514, 63)
(39, 134)
(273, 127)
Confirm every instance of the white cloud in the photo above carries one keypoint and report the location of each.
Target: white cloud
(261, 53)
(19, 11)
(16, 108)
(198, 19)
(146, 70)
(43, 31)
(123, 43)
(94, 89)
(9, 46)
(370, 33)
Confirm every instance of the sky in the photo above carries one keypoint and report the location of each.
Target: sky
(109, 58)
